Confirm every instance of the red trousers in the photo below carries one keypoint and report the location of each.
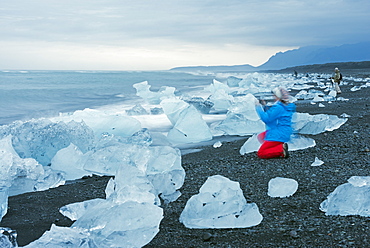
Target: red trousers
(269, 149)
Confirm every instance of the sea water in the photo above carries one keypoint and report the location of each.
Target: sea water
(35, 94)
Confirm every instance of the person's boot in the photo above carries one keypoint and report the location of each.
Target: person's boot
(285, 150)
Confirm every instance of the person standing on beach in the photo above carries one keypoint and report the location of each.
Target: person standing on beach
(336, 80)
(278, 119)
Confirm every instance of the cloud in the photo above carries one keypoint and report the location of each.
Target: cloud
(159, 27)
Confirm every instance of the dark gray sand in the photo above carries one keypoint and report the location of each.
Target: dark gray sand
(295, 221)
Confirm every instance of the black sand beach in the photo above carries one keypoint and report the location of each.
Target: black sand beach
(295, 221)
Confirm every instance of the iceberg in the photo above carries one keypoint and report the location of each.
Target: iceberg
(245, 105)
(143, 91)
(103, 123)
(220, 96)
(13, 167)
(350, 198)
(75, 210)
(4, 193)
(154, 169)
(359, 181)
(251, 145)
(130, 215)
(50, 179)
(185, 117)
(233, 81)
(220, 204)
(299, 142)
(42, 139)
(63, 237)
(203, 106)
(70, 161)
(217, 144)
(317, 162)
(173, 107)
(241, 118)
(237, 124)
(151, 173)
(282, 187)
(184, 132)
(164, 170)
(106, 160)
(305, 123)
(131, 184)
(130, 224)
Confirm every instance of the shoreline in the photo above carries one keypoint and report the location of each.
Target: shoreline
(291, 221)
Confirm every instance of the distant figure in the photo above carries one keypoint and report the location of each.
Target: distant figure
(295, 73)
(278, 119)
(336, 80)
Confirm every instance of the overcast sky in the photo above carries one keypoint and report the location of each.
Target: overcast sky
(161, 34)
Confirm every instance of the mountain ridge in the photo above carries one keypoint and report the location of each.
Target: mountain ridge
(303, 56)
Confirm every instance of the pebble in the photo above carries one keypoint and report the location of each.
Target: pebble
(207, 236)
(293, 234)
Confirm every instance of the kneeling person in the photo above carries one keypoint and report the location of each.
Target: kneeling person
(278, 119)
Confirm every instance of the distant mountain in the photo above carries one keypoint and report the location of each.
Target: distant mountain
(298, 57)
(318, 55)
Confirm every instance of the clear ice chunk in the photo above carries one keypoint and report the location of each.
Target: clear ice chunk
(305, 123)
(220, 204)
(143, 91)
(251, 145)
(64, 237)
(185, 117)
(203, 106)
(75, 210)
(359, 181)
(317, 162)
(233, 81)
(41, 139)
(69, 160)
(350, 198)
(130, 224)
(282, 187)
(50, 179)
(217, 144)
(4, 191)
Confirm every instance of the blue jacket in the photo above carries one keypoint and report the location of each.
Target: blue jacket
(278, 120)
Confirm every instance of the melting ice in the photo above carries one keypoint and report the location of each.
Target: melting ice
(139, 146)
(282, 187)
(220, 204)
(350, 198)
(317, 162)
